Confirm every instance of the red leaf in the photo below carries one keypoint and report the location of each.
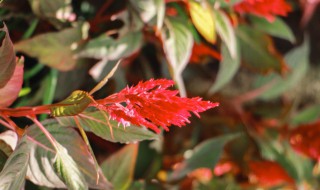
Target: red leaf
(7, 57)
(264, 8)
(200, 51)
(11, 90)
(151, 104)
(305, 139)
(268, 173)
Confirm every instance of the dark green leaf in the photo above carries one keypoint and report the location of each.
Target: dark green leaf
(53, 49)
(256, 50)
(205, 155)
(14, 172)
(7, 57)
(297, 60)
(277, 28)
(96, 122)
(42, 158)
(119, 167)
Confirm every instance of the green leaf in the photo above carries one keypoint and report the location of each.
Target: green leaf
(119, 167)
(255, 50)
(178, 42)
(147, 9)
(297, 59)
(309, 114)
(203, 19)
(161, 11)
(228, 68)
(73, 150)
(14, 172)
(226, 32)
(74, 104)
(7, 56)
(53, 49)
(111, 49)
(205, 155)
(96, 122)
(68, 170)
(277, 28)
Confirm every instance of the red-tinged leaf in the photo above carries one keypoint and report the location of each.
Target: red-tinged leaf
(53, 49)
(258, 52)
(7, 56)
(200, 51)
(11, 90)
(305, 139)
(151, 104)
(263, 8)
(268, 173)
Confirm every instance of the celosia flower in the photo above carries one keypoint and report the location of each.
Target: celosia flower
(268, 173)
(263, 8)
(153, 105)
(305, 139)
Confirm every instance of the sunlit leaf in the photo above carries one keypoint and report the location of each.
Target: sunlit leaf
(277, 28)
(74, 104)
(257, 50)
(68, 170)
(13, 174)
(145, 8)
(111, 49)
(161, 8)
(203, 19)
(53, 49)
(178, 42)
(119, 167)
(96, 123)
(226, 32)
(297, 59)
(7, 56)
(10, 91)
(228, 68)
(41, 170)
(205, 155)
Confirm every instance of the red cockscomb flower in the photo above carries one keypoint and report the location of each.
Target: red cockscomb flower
(305, 139)
(268, 173)
(263, 8)
(152, 105)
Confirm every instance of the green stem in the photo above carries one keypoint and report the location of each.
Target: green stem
(49, 91)
(31, 29)
(30, 73)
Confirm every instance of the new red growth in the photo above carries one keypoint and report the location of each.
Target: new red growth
(152, 104)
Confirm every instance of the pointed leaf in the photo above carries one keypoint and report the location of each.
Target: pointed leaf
(205, 155)
(10, 92)
(42, 158)
(257, 50)
(13, 174)
(68, 170)
(277, 28)
(74, 104)
(145, 8)
(96, 122)
(53, 49)
(226, 32)
(119, 167)
(178, 42)
(7, 56)
(297, 60)
(228, 68)
(111, 49)
(203, 19)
